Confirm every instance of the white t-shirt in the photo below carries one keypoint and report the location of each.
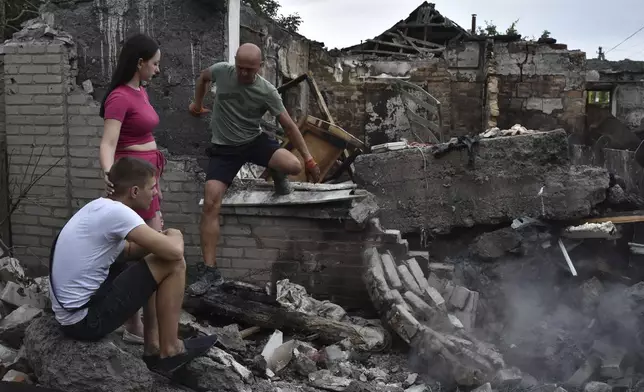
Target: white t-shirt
(87, 246)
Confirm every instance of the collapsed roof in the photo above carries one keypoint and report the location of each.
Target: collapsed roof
(424, 32)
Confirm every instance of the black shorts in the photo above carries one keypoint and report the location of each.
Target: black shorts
(127, 288)
(225, 161)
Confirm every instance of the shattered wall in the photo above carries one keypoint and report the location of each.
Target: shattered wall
(53, 128)
(99, 27)
(424, 191)
(540, 86)
(625, 80)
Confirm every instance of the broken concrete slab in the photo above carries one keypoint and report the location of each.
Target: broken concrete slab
(434, 281)
(503, 186)
(421, 309)
(74, 366)
(276, 340)
(17, 295)
(324, 379)
(468, 314)
(16, 376)
(459, 297)
(584, 373)
(391, 273)
(595, 386)
(7, 355)
(11, 270)
(434, 297)
(496, 244)
(403, 322)
(408, 280)
(12, 327)
(417, 273)
(507, 378)
(487, 387)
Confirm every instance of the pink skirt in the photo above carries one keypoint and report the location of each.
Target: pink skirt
(156, 158)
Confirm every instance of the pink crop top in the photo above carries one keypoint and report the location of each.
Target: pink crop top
(138, 118)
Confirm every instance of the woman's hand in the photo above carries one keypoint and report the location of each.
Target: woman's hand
(109, 187)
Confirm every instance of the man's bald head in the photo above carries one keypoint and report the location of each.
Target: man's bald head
(248, 62)
(249, 52)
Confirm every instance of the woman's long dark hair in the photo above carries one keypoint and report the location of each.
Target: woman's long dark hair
(137, 47)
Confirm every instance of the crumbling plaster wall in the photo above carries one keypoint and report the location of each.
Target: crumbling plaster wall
(192, 35)
(629, 104)
(541, 86)
(286, 56)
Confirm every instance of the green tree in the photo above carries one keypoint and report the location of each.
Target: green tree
(270, 9)
(545, 34)
(512, 30)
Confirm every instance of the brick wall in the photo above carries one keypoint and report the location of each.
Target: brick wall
(47, 111)
(5, 229)
(540, 86)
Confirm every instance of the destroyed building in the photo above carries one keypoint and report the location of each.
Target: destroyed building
(467, 244)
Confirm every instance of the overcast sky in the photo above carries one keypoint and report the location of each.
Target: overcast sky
(581, 24)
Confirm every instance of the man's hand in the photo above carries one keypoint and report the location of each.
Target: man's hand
(312, 170)
(197, 112)
(172, 233)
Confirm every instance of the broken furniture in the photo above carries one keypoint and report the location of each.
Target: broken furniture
(327, 144)
(334, 134)
(421, 108)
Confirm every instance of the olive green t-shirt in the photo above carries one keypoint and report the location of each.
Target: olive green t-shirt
(238, 108)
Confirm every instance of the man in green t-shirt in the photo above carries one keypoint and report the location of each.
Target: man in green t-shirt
(241, 100)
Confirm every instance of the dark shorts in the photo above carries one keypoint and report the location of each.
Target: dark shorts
(127, 288)
(225, 161)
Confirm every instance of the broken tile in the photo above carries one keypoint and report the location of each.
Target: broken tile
(411, 380)
(391, 273)
(595, 386)
(435, 298)
(11, 270)
(487, 387)
(507, 378)
(408, 280)
(16, 376)
(417, 273)
(16, 295)
(403, 323)
(422, 310)
(280, 357)
(434, 281)
(459, 297)
(324, 379)
(12, 327)
(585, 372)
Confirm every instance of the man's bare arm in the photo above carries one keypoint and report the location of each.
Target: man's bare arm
(167, 245)
(203, 85)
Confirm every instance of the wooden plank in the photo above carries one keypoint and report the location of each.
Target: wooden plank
(336, 131)
(257, 184)
(292, 83)
(616, 219)
(393, 44)
(248, 198)
(417, 41)
(319, 98)
(385, 52)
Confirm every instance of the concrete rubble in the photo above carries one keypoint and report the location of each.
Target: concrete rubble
(494, 181)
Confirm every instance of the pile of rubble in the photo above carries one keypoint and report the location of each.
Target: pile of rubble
(432, 315)
(517, 129)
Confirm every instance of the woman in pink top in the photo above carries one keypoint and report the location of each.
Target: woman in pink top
(129, 123)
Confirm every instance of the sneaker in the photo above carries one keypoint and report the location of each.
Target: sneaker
(210, 278)
(281, 183)
(194, 348)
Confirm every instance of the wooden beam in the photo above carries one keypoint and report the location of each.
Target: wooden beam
(292, 83)
(397, 45)
(384, 52)
(417, 41)
(318, 97)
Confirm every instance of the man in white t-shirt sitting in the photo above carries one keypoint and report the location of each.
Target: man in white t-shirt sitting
(95, 287)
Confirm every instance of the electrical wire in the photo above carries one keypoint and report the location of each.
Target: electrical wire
(626, 39)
